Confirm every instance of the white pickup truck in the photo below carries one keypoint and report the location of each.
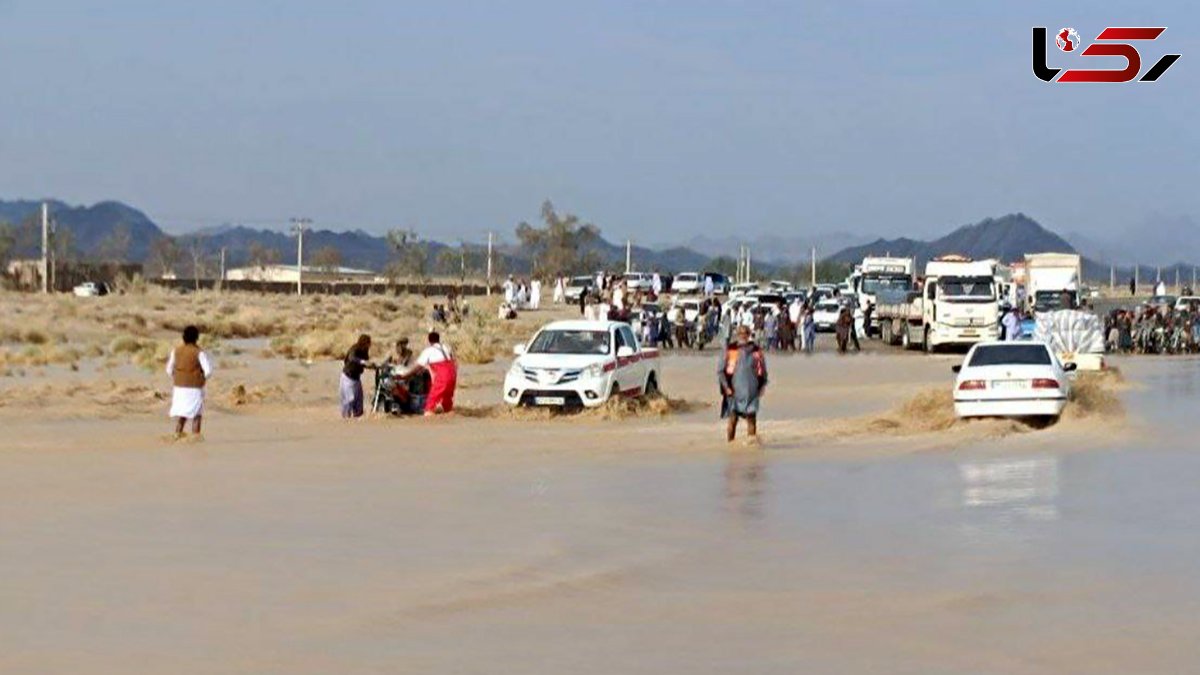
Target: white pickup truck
(574, 364)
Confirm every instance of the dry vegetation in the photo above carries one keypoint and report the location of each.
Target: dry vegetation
(140, 327)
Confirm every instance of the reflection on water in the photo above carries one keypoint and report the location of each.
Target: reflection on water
(745, 483)
(1026, 488)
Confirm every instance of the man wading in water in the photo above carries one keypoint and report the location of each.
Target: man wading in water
(742, 375)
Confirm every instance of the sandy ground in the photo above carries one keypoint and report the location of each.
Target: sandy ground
(290, 541)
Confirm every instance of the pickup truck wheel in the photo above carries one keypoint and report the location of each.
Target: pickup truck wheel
(906, 339)
(651, 386)
(927, 344)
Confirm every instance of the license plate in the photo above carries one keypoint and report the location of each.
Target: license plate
(549, 400)
(1010, 384)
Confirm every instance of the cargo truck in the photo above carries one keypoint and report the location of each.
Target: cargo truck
(1052, 281)
(876, 274)
(956, 304)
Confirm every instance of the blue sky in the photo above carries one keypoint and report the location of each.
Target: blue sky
(657, 120)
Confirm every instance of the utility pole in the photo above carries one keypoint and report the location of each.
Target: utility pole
(45, 247)
(813, 269)
(222, 266)
(489, 264)
(299, 225)
(628, 256)
(1112, 279)
(1177, 279)
(737, 275)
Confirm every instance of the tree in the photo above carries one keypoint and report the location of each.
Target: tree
(195, 251)
(262, 256)
(564, 246)
(448, 262)
(723, 264)
(165, 255)
(8, 241)
(327, 259)
(411, 256)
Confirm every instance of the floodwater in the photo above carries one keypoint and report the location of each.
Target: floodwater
(994, 558)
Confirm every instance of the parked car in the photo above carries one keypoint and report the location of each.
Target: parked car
(768, 298)
(822, 291)
(825, 314)
(1161, 301)
(577, 286)
(638, 281)
(721, 283)
(91, 289)
(691, 309)
(1011, 379)
(739, 290)
(572, 364)
(687, 282)
(1188, 303)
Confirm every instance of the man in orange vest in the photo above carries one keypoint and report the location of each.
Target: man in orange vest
(742, 375)
(189, 368)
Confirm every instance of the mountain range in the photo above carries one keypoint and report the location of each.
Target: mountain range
(115, 229)
(1006, 238)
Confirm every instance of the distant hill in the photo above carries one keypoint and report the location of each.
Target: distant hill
(776, 249)
(1007, 238)
(90, 227)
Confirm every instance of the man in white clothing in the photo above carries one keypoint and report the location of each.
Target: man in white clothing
(535, 293)
(189, 369)
(510, 290)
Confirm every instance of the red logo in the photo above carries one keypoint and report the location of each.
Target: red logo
(1067, 39)
(1110, 42)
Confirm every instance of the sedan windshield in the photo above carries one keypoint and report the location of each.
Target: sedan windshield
(1011, 355)
(570, 342)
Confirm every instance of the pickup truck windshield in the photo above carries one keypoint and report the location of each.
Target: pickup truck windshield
(967, 289)
(580, 281)
(872, 284)
(570, 342)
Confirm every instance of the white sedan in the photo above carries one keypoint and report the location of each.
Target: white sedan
(572, 364)
(1011, 379)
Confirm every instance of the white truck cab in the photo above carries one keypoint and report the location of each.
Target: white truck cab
(959, 304)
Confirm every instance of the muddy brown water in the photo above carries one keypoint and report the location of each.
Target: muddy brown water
(280, 547)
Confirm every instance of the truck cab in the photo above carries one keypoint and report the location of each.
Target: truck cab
(957, 305)
(876, 275)
(960, 309)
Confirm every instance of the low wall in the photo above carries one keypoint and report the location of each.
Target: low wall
(430, 289)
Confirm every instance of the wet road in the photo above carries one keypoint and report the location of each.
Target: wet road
(1008, 557)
